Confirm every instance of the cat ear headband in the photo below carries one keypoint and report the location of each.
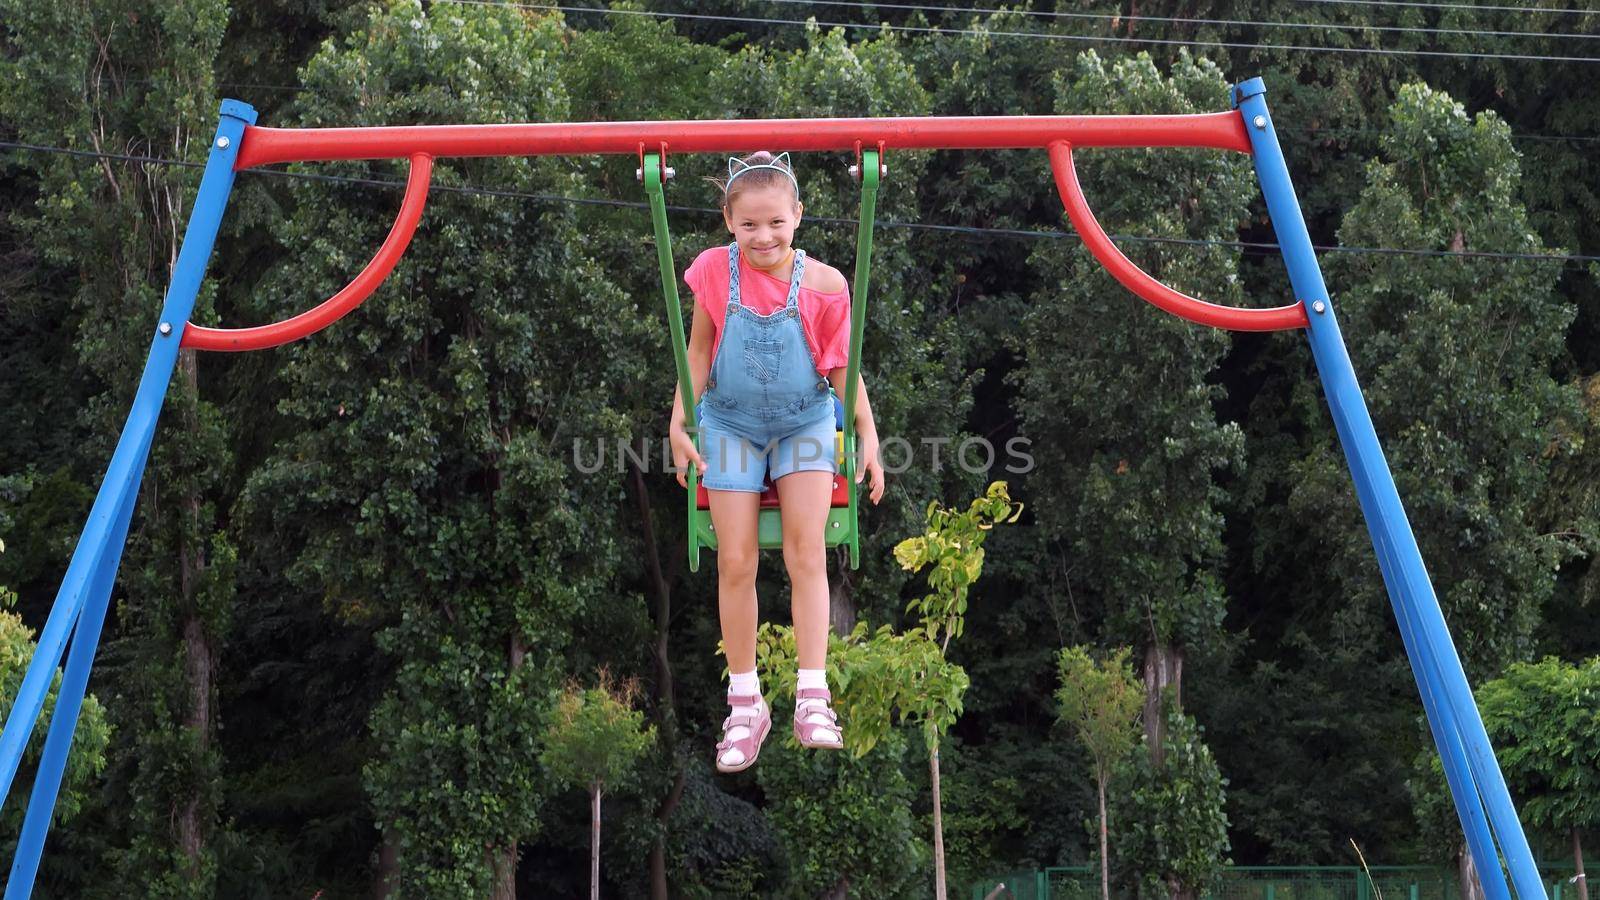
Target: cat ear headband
(737, 167)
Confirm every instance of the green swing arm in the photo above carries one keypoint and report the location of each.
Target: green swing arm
(869, 171)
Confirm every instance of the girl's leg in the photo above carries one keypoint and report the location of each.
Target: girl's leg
(805, 498)
(734, 515)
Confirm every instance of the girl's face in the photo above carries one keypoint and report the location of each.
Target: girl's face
(762, 221)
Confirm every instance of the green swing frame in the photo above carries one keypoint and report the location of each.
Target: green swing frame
(843, 524)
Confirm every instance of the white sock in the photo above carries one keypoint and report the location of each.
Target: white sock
(743, 684)
(813, 678)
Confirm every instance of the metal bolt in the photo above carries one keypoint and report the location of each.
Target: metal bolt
(1319, 307)
(1259, 121)
(222, 143)
(639, 174)
(855, 172)
(711, 527)
(835, 524)
(166, 328)
(883, 171)
(671, 173)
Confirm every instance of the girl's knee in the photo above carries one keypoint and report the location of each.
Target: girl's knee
(737, 565)
(805, 553)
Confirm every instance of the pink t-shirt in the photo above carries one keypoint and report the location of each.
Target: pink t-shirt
(824, 317)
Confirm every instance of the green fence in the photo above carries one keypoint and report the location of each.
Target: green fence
(1269, 883)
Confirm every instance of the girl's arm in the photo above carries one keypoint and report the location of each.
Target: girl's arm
(699, 361)
(865, 426)
(866, 433)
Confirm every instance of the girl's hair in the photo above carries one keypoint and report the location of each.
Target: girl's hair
(760, 178)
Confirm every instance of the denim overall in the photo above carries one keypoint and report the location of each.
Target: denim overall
(764, 403)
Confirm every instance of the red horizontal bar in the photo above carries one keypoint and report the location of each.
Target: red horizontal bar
(262, 146)
(334, 308)
(1135, 279)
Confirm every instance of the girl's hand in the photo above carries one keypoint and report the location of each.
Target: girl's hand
(683, 453)
(871, 465)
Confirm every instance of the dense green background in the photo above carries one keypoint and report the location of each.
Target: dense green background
(362, 565)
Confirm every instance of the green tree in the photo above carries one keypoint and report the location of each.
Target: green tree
(1119, 398)
(85, 764)
(1116, 394)
(427, 490)
(593, 741)
(1455, 357)
(78, 77)
(865, 845)
(1571, 511)
(1169, 825)
(908, 674)
(87, 761)
(1543, 718)
(952, 546)
(1101, 702)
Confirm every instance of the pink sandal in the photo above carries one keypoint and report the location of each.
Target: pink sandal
(755, 732)
(816, 734)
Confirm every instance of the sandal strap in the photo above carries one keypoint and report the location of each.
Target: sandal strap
(813, 694)
(813, 731)
(750, 724)
(802, 714)
(735, 721)
(744, 699)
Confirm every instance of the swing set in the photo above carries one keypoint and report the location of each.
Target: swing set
(1488, 817)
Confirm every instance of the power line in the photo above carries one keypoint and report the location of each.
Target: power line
(1182, 20)
(1082, 38)
(1469, 6)
(609, 102)
(1245, 246)
(1530, 136)
(66, 78)
(1345, 132)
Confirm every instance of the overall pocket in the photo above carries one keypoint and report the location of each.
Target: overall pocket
(762, 360)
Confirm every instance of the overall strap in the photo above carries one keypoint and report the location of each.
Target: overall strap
(793, 301)
(733, 274)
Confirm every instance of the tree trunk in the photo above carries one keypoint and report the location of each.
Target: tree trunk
(1471, 887)
(199, 651)
(594, 842)
(503, 865)
(1105, 860)
(841, 606)
(666, 710)
(1163, 668)
(503, 858)
(383, 880)
(938, 824)
(198, 658)
(1577, 861)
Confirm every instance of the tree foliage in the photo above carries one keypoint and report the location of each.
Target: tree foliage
(1167, 820)
(375, 545)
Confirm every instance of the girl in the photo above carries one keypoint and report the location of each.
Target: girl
(771, 334)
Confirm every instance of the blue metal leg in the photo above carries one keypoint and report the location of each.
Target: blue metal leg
(85, 591)
(1447, 738)
(69, 703)
(1433, 654)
